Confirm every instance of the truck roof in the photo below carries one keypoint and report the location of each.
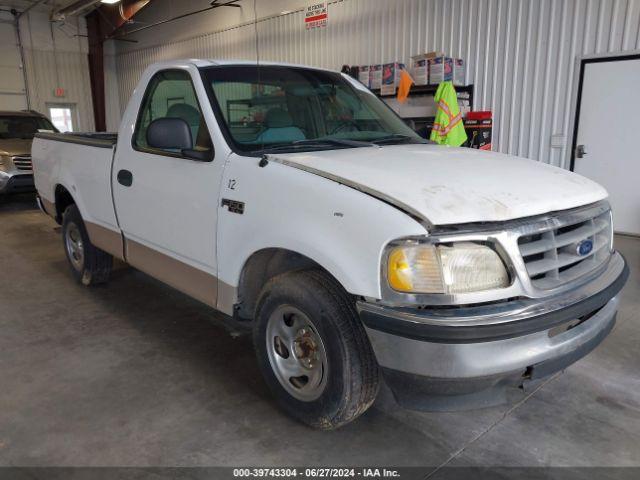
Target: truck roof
(200, 63)
(20, 113)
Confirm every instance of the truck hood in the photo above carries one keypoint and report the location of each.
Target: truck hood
(445, 185)
(15, 146)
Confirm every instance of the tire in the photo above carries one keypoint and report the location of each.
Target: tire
(89, 264)
(315, 320)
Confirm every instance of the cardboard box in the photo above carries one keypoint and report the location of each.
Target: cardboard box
(443, 69)
(390, 78)
(426, 56)
(440, 70)
(420, 66)
(464, 102)
(375, 77)
(363, 75)
(458, 72)
(420, 71)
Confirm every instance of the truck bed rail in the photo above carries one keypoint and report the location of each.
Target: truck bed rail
(100, 140)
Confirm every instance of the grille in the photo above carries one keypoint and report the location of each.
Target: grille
(552, 256)
(22, 163)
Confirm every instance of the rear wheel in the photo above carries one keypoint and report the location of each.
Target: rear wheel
(313, 351)
(89, 264)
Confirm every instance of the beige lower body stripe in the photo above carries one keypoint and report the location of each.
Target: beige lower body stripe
(106, 239)
(227, 297)
(196, 283)
(190, 280)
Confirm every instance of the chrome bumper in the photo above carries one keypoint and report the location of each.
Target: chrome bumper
(12, 182)
(461, 354)
(469, 360)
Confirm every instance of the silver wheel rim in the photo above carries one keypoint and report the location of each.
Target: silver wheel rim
(75, 246)
(296, 353)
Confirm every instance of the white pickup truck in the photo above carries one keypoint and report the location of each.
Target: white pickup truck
(297, 203)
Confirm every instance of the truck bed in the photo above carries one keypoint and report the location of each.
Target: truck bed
(101, 140)
(80, 163)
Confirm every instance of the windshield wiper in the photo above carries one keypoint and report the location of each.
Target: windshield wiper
(322, 143)
(335, 141)
(397, 138)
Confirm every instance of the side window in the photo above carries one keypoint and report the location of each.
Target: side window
(170, 94)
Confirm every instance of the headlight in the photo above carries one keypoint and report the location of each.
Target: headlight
(461, 268)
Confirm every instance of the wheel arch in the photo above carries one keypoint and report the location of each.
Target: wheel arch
(263, 265)
(63, 198)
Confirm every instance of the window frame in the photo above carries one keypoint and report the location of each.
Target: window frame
(219, 115)
(72, 107)
(145, 97)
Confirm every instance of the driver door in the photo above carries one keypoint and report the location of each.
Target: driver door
(167, 204)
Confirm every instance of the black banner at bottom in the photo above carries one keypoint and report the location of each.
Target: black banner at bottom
(408, 473)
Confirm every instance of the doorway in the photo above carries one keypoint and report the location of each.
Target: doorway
(62, 116)
(607, 134)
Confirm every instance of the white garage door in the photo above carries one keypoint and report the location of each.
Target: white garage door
(609, 132)
(12, 91)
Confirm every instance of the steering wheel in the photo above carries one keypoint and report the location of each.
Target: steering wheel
(343, 125)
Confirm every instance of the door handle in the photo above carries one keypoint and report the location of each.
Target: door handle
(125, 177)
(580, 151)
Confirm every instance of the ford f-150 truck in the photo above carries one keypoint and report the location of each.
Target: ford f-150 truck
(296, 202)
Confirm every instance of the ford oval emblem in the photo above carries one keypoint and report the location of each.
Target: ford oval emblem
(584, 248)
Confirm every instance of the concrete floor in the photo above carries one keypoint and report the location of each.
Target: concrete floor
(137, 374)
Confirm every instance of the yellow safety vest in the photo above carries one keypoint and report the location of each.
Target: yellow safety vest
(448, 128)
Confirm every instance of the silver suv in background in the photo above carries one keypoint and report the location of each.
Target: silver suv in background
(17, 130)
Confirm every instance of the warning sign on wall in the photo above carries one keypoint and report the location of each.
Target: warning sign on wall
(316, 15)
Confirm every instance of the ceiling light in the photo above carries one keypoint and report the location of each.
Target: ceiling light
(109, 2)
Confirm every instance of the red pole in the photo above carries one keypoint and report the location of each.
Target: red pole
(96, 69)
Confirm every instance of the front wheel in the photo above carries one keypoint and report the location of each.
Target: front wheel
(313, 351)
(89, 264)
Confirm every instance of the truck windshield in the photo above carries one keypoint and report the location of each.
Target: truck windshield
(297, 109)
(23, 127)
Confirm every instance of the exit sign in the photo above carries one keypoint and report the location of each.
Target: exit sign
(59, 92)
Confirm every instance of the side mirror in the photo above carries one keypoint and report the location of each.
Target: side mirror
(174, 134)
(169, 134)
(199, 155)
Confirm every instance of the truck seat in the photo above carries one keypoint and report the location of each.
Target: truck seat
(187, 113)
(280, 128)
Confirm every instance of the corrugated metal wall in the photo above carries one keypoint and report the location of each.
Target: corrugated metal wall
(47, 70)
(55, 55)
(12, 89)
(520, 54)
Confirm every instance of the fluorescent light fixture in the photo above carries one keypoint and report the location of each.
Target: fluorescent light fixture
(109, 2)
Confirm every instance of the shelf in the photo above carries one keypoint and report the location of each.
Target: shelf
(426, 90)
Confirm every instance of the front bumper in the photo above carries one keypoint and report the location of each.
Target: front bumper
(448, 359)
(16, 183)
